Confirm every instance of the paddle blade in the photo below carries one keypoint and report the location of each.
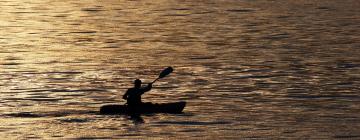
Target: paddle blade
(166, 72)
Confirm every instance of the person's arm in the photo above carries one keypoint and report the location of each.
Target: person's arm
(125, 96)
(147, 88)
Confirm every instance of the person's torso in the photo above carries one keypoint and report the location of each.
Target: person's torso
(134, 96)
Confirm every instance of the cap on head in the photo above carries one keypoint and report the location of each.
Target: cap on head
(137, 82)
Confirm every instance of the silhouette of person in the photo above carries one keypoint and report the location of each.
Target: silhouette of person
(133, 95)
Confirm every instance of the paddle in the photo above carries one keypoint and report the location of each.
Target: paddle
(164, 73)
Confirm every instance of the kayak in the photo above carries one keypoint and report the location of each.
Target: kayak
(145, 108)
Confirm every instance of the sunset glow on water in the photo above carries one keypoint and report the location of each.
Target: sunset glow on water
(248, 69)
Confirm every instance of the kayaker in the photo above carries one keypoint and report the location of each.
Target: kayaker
(133, 95)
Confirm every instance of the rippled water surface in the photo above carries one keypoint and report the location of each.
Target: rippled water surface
(256, 69)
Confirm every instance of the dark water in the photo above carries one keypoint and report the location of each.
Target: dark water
(255, 69)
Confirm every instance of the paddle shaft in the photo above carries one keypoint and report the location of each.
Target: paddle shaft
(155, 80)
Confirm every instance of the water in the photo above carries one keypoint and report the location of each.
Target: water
(255, 69)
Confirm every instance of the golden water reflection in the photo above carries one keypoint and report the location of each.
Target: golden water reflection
(248, 69)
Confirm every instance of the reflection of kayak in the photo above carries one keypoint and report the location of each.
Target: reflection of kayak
(176, 107)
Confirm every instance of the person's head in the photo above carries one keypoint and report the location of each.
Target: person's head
(137, 83)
